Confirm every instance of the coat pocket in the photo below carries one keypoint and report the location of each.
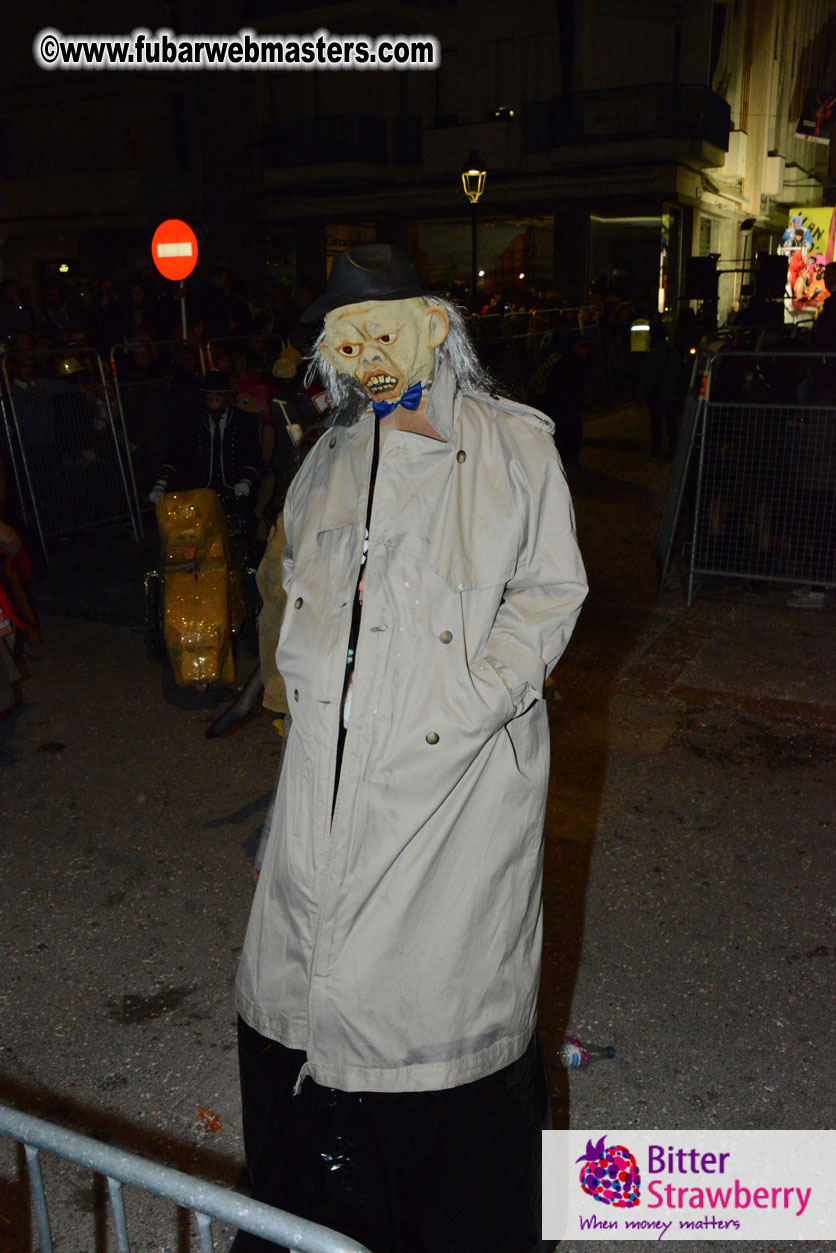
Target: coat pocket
(491, 690)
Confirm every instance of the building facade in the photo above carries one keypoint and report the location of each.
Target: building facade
(619, 138)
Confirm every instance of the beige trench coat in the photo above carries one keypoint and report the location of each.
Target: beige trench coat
(399, 944)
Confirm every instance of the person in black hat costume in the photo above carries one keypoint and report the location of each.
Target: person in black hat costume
(218, 450)
(392, 1081)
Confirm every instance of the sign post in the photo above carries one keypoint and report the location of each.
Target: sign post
(174, 253)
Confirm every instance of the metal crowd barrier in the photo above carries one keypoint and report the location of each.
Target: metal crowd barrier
(757, 471)
(68, 445)
(690, 421)
(7, 449)
(155, 387)
(205, 1200)
(509, 344)
(534, 321)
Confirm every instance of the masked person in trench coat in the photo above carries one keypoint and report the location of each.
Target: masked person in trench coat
(392, 1083)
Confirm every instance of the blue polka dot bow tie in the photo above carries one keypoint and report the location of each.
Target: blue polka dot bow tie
(411, 399)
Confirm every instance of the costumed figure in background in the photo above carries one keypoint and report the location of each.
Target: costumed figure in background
(393, 1086)
(204, 497)
(797, 237)
(219, 450)
(10, 545)
(796, 269)
(809, 291)
(16, 616)
(817, 291)
(559, 384)
(796, 243)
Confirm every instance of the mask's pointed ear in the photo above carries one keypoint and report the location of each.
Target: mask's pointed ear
(438, 324)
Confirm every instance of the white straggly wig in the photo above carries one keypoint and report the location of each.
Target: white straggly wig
(349, 399)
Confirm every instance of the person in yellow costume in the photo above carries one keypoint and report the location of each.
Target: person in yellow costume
(393, 1086)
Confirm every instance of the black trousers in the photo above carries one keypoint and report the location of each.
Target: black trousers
(456, 1171)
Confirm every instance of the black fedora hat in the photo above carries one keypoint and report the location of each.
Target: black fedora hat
(367, 272)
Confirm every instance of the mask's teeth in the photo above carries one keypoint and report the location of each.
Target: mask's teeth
(381, 383)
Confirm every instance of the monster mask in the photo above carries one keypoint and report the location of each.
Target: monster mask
(386, 345)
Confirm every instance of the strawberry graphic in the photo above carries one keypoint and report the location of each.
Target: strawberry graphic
(610, 1175)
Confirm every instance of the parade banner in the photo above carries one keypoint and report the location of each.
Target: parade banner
(815, 226)
(808, 243)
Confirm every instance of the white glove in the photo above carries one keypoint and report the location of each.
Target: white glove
(157, 491)
(242, 488)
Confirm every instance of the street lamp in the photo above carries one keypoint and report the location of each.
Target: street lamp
(473, 183)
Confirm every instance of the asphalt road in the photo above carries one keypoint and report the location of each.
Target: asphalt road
(690, 917)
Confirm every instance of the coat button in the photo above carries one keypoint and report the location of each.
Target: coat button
(461, 456)
(446, 637)
(298, 603)
(296, 693)
(432, 737)
(333, 442)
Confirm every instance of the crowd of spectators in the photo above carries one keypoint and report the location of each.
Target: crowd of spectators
(541, 346)
(81, 414)
(104, 311)
(254, 335)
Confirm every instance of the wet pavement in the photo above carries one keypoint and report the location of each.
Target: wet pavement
(689, 905)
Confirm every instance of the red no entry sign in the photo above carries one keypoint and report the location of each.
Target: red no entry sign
(174, 249)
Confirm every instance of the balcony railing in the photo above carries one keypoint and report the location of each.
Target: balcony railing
(659, 111)
(655, 111)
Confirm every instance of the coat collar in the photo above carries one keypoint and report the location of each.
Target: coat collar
(443, 403)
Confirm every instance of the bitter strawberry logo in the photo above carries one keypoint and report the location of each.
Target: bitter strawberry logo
(610, 1174)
